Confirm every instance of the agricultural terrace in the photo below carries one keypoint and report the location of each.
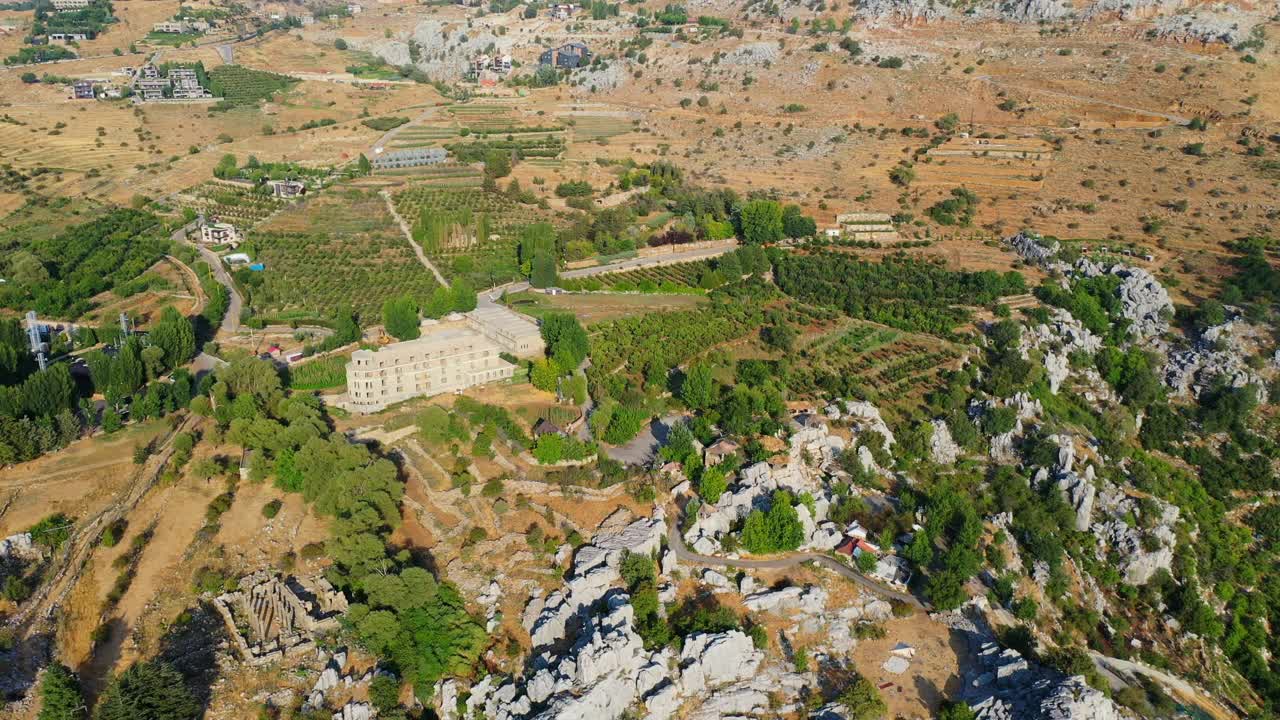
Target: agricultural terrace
(445, 175)
(629, 353)
(235, 204)
(468, 233)
(881, 361)
(682, 277)
(238, 85)
(339, 249)
(591, 128)
(59, 276)
(420, 136)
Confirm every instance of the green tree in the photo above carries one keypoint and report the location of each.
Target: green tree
(60, 697)
(175, 336)
(795, 224)
(698, 390)
(400, 318)
(543, 272)
(712, 484)
(497, 163)
(760, 221)
(544, 374)
(957, 710)
(363, 165)
(147, 691)
(862, 700)
(566, 341)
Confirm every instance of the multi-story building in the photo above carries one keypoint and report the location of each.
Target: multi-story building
(186, 84)
(412, 157)
(82, 89)
(567, 56)
(63, 5)
(449, 357)
(219, 234)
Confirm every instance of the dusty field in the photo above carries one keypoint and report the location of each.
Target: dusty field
(77, 481)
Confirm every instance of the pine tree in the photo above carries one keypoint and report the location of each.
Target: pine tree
(148, 691)
(60, 697)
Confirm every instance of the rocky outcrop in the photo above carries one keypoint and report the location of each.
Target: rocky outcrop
(709, 660)
(1144, 301)
(1141, 550)
(1219, 355)
(942, 448)
(1079, 492)
(1062, 331)
(809, 599)
(1033, 248)
(867, 418)
(1226, 24)
(904, 11)
(1056, 369)
(1001, 684)
(595, 572)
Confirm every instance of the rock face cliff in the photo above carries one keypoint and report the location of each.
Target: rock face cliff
(1001, 684)
(1180, 20)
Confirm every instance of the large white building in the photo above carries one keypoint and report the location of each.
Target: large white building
(449, 356)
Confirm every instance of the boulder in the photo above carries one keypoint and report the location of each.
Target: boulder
(716, 580)
(711, 659)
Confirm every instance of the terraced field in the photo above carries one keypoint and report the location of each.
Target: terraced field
(340, 248)
(884, 359)
(481, 243)
(484, 116)
(228, 203)
(595, 127)
(668, 278)
(77, 149)
(448, 175)
(421, 136)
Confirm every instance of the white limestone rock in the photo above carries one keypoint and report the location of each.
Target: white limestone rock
(1057, 368)
(942, 448)
(716, 580)
(711, 659)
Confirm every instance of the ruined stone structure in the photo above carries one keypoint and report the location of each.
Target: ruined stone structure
(270, 617)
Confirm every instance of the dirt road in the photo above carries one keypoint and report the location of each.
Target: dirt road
(408, 235)
(676, 543)
(71, 560)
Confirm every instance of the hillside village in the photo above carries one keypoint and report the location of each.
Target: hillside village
(818, 361)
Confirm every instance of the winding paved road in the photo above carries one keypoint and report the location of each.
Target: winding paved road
(676, 543)
(230, 321)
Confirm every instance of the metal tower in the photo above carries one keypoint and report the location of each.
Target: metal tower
(33, 336)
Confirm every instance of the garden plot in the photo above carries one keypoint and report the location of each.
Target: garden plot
(492, 118)
(339, 249)
(414, 137)
(450, 175)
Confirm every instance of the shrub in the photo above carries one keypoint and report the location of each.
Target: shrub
(271, 509)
